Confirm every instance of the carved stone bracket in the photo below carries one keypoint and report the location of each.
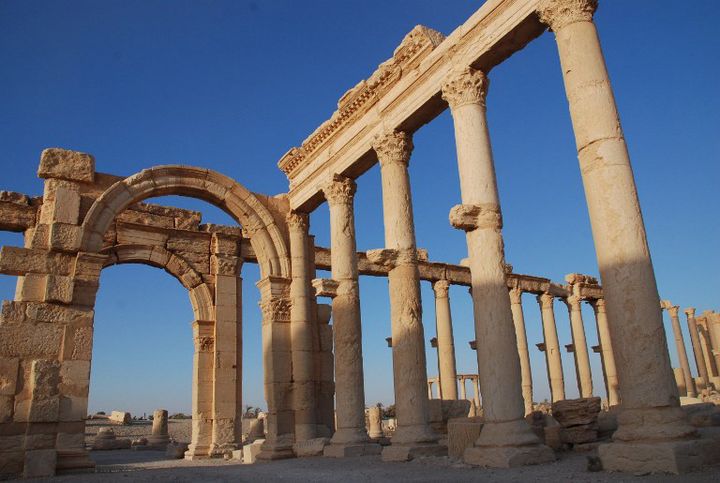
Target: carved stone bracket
(472, 217)
(325, 287)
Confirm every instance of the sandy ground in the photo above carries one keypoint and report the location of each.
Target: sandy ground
(179, 429)
(133, 466)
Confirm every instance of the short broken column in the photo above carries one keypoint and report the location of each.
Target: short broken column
(375, 422)
(521, 335)
(553, 358)
(506, 439)
(674, 310)
(159, 436)
(445, 343)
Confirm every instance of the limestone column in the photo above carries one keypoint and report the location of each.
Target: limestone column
(506, 438)
(408, 341)
(521, 335)
(375, 422)
(350, 436)
(476, 389)
(582, 357)
(706, 345)
(650, 399)
(159, 436)
(445, 342)
(712, 324)
(673, 310)
(697, 348)
(553, 358)
(463, 388)
(202, 390)
(301, 328)
(606, 353)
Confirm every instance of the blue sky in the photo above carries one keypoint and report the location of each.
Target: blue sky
(232, 85)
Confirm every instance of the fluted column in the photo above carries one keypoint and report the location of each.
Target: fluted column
(349, 382)
(505, 434)
(649, 397)
(445, 342)
(697, 348)
(606, 353)
(301, 328)
(408, 341)
(553, 358)
(674, 310)
(521, 335)
(582, 358)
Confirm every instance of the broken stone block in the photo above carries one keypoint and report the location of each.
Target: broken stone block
(250, 451)
(120, 417)
(66, 164)
(176, 450)
(462, 434)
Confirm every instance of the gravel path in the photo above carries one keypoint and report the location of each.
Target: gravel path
(149, 466)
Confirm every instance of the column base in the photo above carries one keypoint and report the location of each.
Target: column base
(195, 453)
(407, 452)
(74, 461)
(310, 447)
(674, 457)
(278, 450)
(416, 435)
(346, 450)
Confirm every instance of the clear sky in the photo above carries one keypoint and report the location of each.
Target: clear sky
(232, 85)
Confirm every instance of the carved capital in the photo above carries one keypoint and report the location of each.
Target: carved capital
(516, 295)
(598, 305)
(204, 344)
(556, 14)
(545, 300)
(573, 302)
(325, 287)
(339, 190)
(468, 86)
(225, 265)
(298, 221)
(276, 310)
(674, 311)
(393, 147)
(472, 217)
(690, 312)
(441, 288)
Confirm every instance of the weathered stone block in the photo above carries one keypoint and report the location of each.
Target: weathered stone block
(81, 343)
(66, 164)
(40, 441)
(250, 451)
(31, 287)
(8, 375)
(40, 340)
(64, 237)
(462, 434)
(6, 409)
(11, 463)
(223, 244)
(120, 417)
(73, 408)
(59, 314)
(59, 288)
(66, 208)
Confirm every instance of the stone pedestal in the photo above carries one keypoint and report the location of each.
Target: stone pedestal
(506, 438)
(652, 429)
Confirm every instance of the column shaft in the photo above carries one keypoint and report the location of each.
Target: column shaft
(521, 335)
(480, 217)
(552, 348)
(302, 323)
(582, 358)
(673, 310)
(347, 329)
(202, 390)
(606, 353)
(408, 340)
(697, 348)
(446, 346)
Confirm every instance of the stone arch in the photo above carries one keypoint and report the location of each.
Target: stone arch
(200, 296)
(245, 207)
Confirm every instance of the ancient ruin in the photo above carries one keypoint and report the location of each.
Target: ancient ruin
(87, 220)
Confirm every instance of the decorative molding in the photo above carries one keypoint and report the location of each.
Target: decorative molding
(557, 14)
(467, 86)
(276, 310)
(393, 147)
(205, 343)
(416, 45)
(339, 190)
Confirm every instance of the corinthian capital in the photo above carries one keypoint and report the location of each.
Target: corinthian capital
(393, 147)
(545, 300)
(556, 14)
(339, 190)
(690, 312)
(516, 295)
(441, 288)
(298, 221)
(468, 86)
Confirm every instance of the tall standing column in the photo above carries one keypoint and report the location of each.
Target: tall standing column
(408, 342)
(202, 390)
(350, 438)
(697, 348)
(301, 328)
(606, 353)
(673, 310)
(706, 345)
(521, 335)
(552, 348)
(445, 343)
(650, 399)
(506, 438)
(582, 358)
(712, 324)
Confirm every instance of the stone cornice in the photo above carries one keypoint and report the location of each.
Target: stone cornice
(416, 45)
(468, 86)
(556, 14)
(393, 147)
